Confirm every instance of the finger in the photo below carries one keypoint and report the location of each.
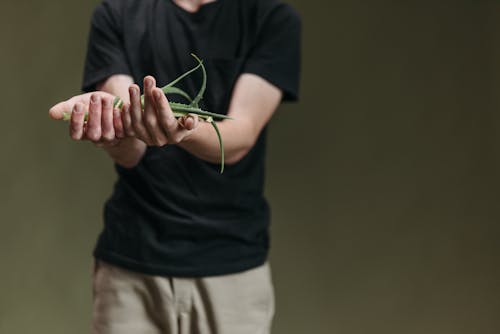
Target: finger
(195, 122)
(136, 113)
(76, 122)
(117, 124)
(126, 121)
(93, 131)
(189, 122)
(107, 129)
(182, 121)
(56, 111)
(150, 117)
(149, 107)
(166, 119)
(156, 133)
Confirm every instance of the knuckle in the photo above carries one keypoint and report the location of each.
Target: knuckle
(95, 96)
(169, 123)
(137, 127)
(94, 138)
(93, 135)
(172, 122)
(108, 136)
(150, 121)
(119, 134)
(106, 101)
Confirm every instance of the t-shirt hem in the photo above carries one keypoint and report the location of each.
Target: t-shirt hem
(161, 270)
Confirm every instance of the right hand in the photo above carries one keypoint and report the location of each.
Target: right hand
(154, 122)
(104, 126)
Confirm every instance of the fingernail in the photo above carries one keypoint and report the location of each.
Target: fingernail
(132, 91)
(77, 108)
(106, 102)
(157, 94)
(94, 99)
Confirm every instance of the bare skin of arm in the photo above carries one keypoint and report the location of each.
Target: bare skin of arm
(252, 105)
(125, 136)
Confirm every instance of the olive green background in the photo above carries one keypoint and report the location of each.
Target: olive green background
(384, 179)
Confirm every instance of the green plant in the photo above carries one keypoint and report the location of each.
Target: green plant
(181, 109)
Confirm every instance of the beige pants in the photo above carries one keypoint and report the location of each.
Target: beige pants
(127, 302)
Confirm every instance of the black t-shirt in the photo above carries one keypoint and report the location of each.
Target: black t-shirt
(174, 214)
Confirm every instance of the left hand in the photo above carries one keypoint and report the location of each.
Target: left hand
(156, 124)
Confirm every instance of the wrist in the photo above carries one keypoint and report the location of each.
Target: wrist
(194, 135)
(127, 152)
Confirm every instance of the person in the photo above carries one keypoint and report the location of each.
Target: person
(184, 248)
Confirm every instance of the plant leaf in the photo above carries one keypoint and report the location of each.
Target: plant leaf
(199, 96)
(220, 145)
(182, 76)
(177, 91)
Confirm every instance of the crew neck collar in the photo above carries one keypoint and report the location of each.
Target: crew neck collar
(201, 9)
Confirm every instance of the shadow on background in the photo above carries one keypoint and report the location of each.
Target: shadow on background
(383, 181)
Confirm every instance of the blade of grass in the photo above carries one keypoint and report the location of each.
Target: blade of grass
(177, 91)
(221, 145)
(182, 76)
(199, 96)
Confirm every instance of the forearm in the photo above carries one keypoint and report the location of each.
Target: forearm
(253, 102)
(238, 139)
(127, 152)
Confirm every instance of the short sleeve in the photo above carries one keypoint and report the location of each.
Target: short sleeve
(105, 50)
(276, 54)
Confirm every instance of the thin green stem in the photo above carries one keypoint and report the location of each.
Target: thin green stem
(199, 96)
(221, 145)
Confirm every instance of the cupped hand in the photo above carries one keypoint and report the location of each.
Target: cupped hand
(155, 124)
(104, 126)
